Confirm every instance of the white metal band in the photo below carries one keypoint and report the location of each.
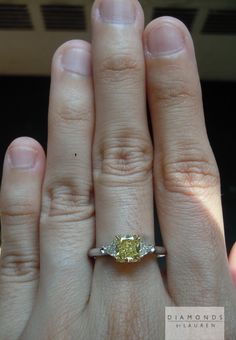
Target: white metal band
(94, 252)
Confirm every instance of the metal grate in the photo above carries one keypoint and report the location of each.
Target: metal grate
(187, 15)
(64, 17)
(220, 22)
(14, 17)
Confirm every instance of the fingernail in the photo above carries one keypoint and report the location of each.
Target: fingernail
(117, 11)
(22, 158)
(77, 60)
(165, 40)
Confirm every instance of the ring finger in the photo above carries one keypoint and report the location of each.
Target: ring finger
(122, 154)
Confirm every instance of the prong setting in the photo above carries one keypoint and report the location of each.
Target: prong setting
(128, 248)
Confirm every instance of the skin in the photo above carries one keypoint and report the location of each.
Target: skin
(49, 288)
(232, 263)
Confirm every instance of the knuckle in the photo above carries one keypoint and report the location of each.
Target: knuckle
(120, 67)
(188, 175)
(124, 160)
(171, 91)
(19, 267)
(73, 108)
(19, 213)
(68, 202)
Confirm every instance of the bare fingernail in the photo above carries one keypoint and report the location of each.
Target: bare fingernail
(77, 60)
(165, 40)
(22, 158)
(117, 11)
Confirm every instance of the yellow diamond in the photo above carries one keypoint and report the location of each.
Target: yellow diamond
(127, 248)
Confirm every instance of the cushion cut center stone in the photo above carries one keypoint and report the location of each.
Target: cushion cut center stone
(127, 248)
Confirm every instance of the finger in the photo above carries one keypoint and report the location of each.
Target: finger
(20, 208)
(187, 186)
(67, 220)
(122, 154)
(232, 263)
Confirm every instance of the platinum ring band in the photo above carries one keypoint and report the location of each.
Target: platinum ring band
(94, 252)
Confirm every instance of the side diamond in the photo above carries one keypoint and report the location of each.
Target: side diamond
(145, 249)
(110, 249)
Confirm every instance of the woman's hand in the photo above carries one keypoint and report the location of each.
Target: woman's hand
(100, 154)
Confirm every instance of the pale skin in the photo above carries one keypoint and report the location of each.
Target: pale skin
(98, 180)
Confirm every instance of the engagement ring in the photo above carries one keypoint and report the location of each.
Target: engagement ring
(127, 248)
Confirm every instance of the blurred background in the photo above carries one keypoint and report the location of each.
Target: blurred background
(31, 31)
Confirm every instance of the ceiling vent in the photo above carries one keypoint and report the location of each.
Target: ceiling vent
(64, 17)
(14, 17)
(220, 22)
(187, 15)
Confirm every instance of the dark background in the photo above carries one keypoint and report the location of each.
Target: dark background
(24, 105)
